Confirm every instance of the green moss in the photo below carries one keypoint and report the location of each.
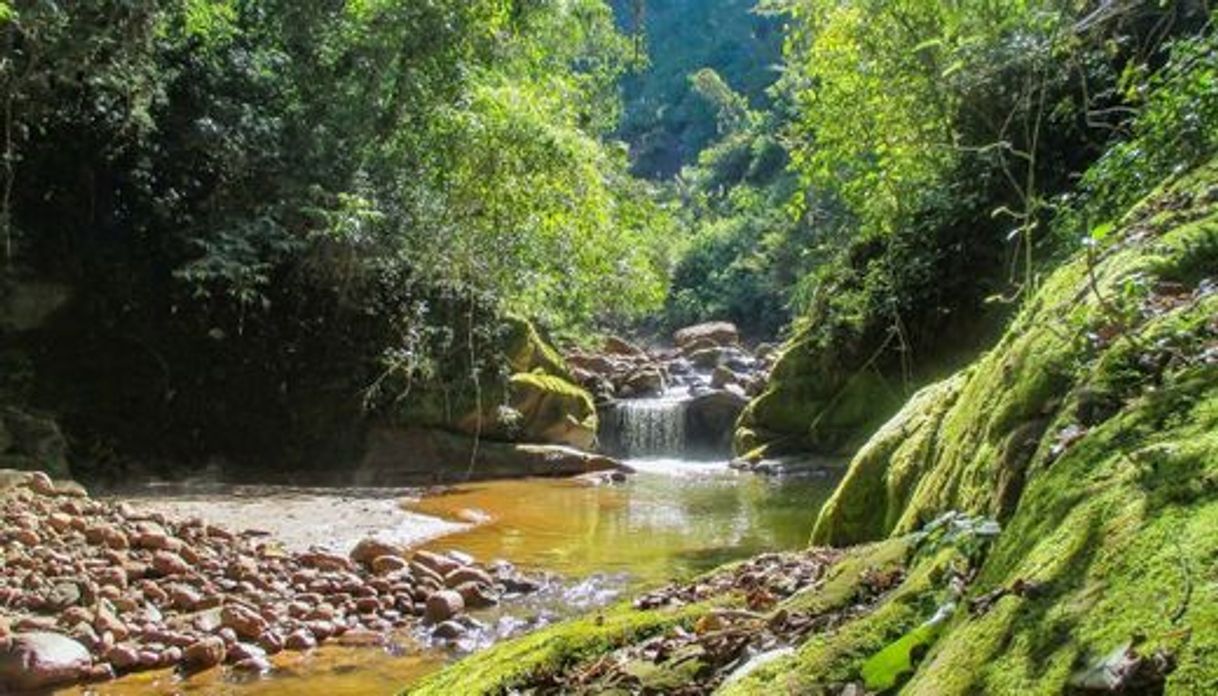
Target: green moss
(883, 473)
(1091, 431)
(500, 668)
(815, 400)
(829, 660)
(528, 351)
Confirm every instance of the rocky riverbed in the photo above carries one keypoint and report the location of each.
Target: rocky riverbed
(93, 589)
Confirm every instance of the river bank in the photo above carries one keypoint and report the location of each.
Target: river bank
(581, 543)
(95, 589)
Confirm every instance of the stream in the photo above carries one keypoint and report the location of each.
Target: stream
(674, 518)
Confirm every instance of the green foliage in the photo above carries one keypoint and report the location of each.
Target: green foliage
(1176, 128)
(671, 108)
(332, 204)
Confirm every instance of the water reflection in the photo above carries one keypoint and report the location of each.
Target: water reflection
(674, 518)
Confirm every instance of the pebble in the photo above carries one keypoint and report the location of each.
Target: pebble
(136, 591)
(442, 606)
(204, 654)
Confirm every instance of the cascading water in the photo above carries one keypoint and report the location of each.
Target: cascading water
(638, 428)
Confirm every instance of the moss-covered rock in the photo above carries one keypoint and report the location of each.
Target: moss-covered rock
(538, 402)
(817, 398)
(875, 492)
(1091, 432)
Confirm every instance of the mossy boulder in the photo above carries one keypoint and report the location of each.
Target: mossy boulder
(817, 398)
(1091, 433)
(537, 402)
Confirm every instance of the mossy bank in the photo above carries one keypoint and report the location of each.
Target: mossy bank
(1088, 435)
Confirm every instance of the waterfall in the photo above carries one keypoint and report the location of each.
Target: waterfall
(645, 428)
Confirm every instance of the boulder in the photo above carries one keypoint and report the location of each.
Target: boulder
(553, 411)
(706, 358)
(620, 346)
(647, 381)
(542, 409)
(721, 333)
(710, 420)
(39, 660)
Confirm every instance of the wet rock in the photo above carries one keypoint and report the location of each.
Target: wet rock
(371, 548)
(169, 563)
(245, 651)
(706, 358)
(466, 574)
(438, 564)
(477, 595)
(723, 376)
(648, 381)
(448, 630)
(39, 660)
(443, 605)
(253, 665)
(204, 654)
(299, 640)
(383, 565)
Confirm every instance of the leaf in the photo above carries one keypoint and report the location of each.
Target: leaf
(1099, 232)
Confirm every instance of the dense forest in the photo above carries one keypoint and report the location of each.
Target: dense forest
(966, 250)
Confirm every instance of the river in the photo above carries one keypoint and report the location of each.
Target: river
(674, 518)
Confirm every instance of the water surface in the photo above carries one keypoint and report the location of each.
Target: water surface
(673, 519)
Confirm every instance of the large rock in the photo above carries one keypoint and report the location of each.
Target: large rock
(408, 456)
(710, 420)
(32, 442)
(539, 403)
(553, 411)
(816, 399)
(40, 660)
(720, 333)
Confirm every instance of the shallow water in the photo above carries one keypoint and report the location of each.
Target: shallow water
(672, 519)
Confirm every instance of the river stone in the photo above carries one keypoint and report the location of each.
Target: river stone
(123, 657)
(370, 548)
(443, 605)
(204, 654)
(477, 595)
(383, 565)
(169, 563)
(39, 660)
(461, 576)
(299, 640)
(448, 630)
(246, 623)
(442, 565)
(722, 333)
